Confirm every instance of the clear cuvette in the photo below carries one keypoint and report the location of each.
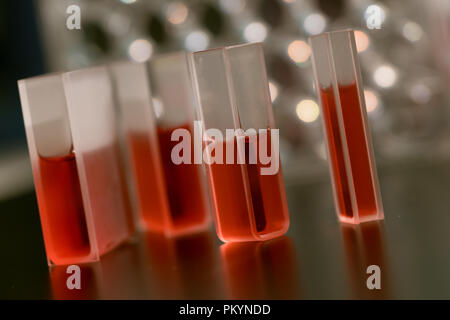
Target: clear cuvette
(179, 188)
(240, 143)
(344, 117)
(80, 185)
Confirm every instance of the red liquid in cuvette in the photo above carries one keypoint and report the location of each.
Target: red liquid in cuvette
(183, 184)
(260, 213)
(150, 186)
(171, 196)
(355, 137)
(61, 209)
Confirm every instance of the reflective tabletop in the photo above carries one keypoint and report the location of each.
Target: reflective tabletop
(319, 258)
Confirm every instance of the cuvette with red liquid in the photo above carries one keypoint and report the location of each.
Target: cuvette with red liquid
(171, 197)
(247, 189)
(78, 175)
(344, 117)
(138, 128)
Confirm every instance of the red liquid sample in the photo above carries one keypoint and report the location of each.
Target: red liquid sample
(359, 165)
(259, 214)
(61, 208)
(170, 196)
(184, 187)
(150, 185)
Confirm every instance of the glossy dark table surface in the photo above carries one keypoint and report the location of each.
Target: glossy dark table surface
(318, 258)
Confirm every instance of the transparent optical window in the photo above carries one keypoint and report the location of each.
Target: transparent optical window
(171, 86)
(250, 86)
(47, 115)
(213, 89)
(133, 95)
(344, 117)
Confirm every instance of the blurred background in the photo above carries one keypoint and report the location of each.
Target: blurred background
(405, 64)
(405, 75)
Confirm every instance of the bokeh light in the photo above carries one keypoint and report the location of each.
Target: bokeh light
(371, 100)
(196, 41)
(255, 32)
(140, 50)
(362, 40)
(307, 110)
(315, 23)
(412, 31)
(299, 51)
(176, 12)
(420, 93)
(385, 76)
